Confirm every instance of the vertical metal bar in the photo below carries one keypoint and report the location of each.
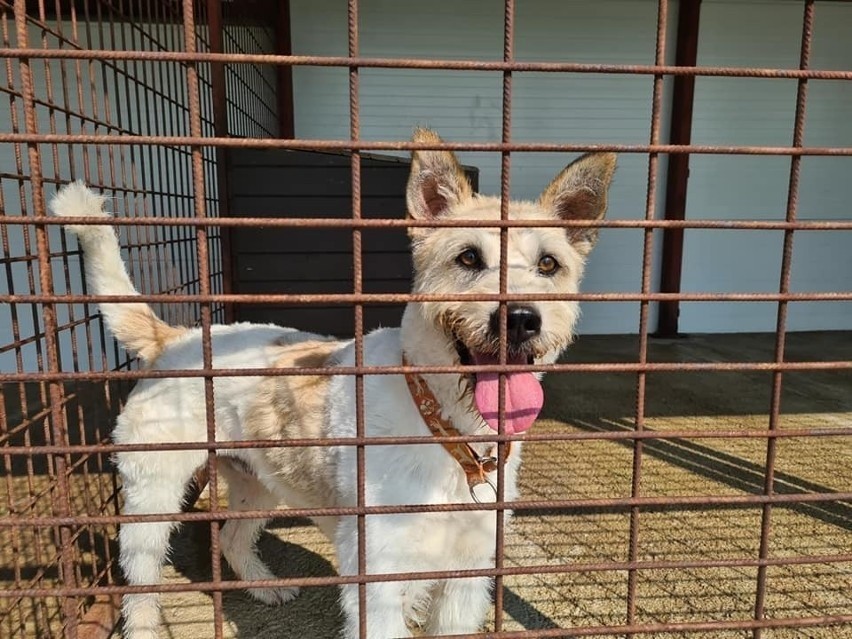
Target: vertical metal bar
(781, 319)
(171, 183)
(155, 155)
(189, 27)
(220, 130)
(357, 287)
(112, 101)
(89, 480)
(142, 88)
(284, 46)
(134, 123)
(93, 97)
(87, 309)
(127, 119)
(58, 427)
(167, 181)
(57, 173)
(78, 68)
(644, 308)
(677, 173)
(39, 542)
(15, 533)
(13, 540)
(505, 195)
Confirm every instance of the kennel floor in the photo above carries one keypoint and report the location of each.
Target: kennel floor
(595, 402)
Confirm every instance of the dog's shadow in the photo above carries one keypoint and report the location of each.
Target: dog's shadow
(314, 613)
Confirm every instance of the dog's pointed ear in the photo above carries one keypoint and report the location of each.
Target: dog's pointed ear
(437, 181)
(579, 192)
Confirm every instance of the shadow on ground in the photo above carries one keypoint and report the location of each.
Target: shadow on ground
(314, 613)
(735, 400)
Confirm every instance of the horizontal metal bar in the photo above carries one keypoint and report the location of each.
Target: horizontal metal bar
(30, 339)
(514, 66)
(402, 145)
(401, 298)
(682, 628)
(614, 367)
(336, 580)
(669, 501)
(107, 448)
(394, 223)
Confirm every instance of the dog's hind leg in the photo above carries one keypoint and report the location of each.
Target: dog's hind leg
(239, 536)
(153, 483)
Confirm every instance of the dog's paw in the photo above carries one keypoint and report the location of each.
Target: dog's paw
(274, 596)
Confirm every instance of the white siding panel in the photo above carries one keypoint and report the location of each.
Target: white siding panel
(467, 105)
(761, 112)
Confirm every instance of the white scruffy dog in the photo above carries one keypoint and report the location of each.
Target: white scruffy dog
(448, 260)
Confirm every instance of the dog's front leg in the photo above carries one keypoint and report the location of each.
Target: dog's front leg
(385, 618)
(385, 614)
(459, 606)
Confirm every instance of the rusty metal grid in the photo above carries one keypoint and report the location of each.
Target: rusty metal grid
(218, 87)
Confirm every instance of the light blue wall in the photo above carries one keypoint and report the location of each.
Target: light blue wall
(466, 106)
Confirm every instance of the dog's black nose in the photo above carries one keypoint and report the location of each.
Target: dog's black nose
(522, 323)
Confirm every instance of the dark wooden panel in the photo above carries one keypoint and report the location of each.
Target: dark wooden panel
(287, 158)
(269, 240)
(285, 286)
(391, 207)
(279, 183)
(317, 180)
(290, 158)
(332, 320)
(319, 266)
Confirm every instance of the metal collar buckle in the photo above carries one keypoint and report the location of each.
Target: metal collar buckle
(472, 486)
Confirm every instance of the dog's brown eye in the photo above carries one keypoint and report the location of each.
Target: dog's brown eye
(548, 265)
(470, 258)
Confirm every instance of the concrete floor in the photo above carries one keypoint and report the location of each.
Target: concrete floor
(581, 469)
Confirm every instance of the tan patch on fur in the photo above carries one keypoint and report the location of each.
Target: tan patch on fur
(146, 334)
(293, 407)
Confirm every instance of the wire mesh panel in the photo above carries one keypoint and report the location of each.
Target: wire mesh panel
(674, 486)
(92, 97)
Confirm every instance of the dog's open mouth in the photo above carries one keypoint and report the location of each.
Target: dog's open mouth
(524, 395)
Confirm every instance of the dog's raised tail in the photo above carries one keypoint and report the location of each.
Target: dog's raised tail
(134, 324)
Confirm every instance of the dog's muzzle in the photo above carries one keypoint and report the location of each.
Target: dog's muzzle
(523, 323)
(522, 394)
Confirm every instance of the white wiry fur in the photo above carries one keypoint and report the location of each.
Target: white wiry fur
(134, 324)
(173, 410)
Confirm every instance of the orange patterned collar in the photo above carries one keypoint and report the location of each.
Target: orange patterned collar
(476, 467)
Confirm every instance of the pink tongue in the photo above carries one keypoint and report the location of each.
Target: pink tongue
(524, 396)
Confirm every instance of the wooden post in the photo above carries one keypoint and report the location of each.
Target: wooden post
(678, 173)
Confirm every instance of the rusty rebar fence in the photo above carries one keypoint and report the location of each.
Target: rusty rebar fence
(143, 100)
